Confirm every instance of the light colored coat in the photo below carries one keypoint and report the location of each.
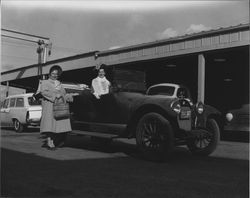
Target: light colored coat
(48, 122)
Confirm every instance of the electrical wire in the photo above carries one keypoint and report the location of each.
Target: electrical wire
(19, 45)
(18, 57)
(22, 33)
(13, 37)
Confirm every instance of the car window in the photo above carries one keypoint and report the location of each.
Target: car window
(182, 93)
(12, 102)
(162, 90)
(129, 80)
(20, 102)
(2, 104)
(6, 103)
(33, 102)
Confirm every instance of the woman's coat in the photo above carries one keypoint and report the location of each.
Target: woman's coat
(48, 123)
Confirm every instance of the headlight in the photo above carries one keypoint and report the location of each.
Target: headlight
(199, 107)
(229, 116)
(176, 106)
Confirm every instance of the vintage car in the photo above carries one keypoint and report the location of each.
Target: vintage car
(237, 119)
(160, 117)
(20, 111)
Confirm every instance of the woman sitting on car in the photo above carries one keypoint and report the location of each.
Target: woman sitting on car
(100, 84)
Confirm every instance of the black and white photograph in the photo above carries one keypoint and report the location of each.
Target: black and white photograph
(124, 99)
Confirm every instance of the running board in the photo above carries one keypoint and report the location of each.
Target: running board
(95, 134)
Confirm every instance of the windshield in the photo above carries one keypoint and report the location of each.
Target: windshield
(33, 102)
(182, 93)
(130, 80)
(162, 90)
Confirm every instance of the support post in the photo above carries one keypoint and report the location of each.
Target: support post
(7, 88)
(201, 78)
(40, 52)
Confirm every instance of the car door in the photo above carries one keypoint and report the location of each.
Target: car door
(10, 111)
(125, 104)
(4, 112)
(84, 107)
(128, 86)
(20, 110)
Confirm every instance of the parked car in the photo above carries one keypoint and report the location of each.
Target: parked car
(237, 119)
(160, 117)
(20, 111)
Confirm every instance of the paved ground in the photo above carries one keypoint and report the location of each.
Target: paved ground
(89, 169)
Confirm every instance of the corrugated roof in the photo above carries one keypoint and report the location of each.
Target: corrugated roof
(179, 38)
(144, 45)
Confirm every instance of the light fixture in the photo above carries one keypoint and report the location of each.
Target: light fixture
(171, 65)
(228, 79)
(219, 60)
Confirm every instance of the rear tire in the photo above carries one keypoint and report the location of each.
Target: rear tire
(206, 143)
(154, 137)
(18, 126)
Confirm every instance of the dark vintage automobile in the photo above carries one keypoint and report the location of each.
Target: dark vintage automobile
(160, 117)
(237, 119)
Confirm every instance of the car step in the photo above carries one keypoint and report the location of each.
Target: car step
(95, 134)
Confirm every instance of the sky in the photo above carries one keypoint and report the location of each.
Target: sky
(81, 26)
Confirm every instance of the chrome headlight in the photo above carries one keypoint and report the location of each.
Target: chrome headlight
(176, 106)
(199, 107)
(229, 117)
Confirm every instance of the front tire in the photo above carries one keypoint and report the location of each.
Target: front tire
(205, 143)
(154, 137)
(18, 126)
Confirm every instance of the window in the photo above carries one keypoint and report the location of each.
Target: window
(182, 93)
(162, 90)
(19, 102)
(33, 102)
(6, 103)
(12, 102)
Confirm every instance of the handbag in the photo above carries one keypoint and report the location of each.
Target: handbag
(61, 109)
(38, 94)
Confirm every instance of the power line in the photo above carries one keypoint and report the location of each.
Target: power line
(19, 57)
(17, 32)
(13, 37)
(18, 45)
(54, 47)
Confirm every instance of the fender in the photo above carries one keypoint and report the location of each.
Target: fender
(209, 112)
(148, 108)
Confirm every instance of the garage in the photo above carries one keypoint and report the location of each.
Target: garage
(214, 65)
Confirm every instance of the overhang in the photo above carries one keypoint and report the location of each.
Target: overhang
(222, 38)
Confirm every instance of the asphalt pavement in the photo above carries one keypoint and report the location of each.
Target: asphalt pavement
(86, 168)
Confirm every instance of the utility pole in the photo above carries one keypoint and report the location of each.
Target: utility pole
(40, 51)
(43, 49)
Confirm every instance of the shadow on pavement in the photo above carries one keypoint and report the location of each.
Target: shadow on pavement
(235, 136)
(26, 130)
(28, 175)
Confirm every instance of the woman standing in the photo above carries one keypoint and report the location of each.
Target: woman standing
(52, 90)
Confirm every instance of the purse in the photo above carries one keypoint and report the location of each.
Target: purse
(61, 109)
(38, 94)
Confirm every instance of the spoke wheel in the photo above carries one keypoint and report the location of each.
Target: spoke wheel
(206, 142)
(18, 126)
(154, 136)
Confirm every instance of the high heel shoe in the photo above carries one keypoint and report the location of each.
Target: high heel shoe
(51, 148)
(50, 145)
